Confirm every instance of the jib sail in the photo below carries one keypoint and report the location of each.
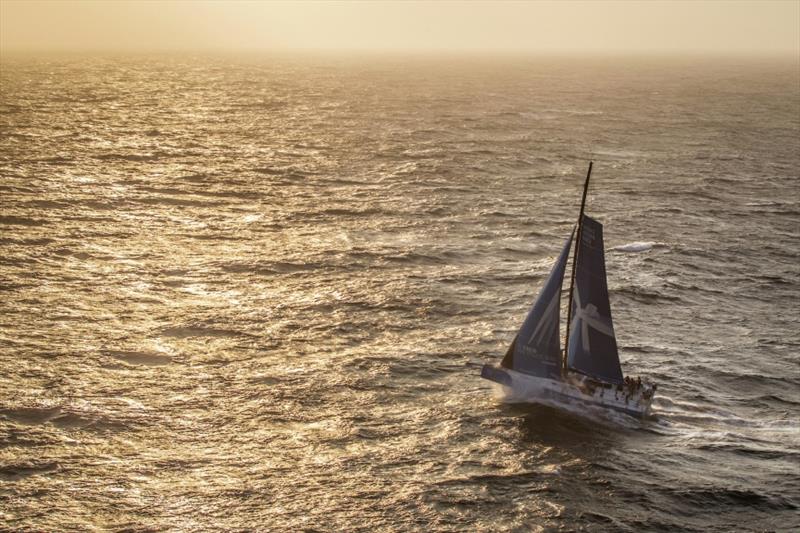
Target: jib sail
(537, 347)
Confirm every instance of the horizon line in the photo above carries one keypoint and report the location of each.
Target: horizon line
(407, 52)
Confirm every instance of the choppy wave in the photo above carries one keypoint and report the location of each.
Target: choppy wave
(256, 293)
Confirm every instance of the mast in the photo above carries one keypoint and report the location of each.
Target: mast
(575, 263)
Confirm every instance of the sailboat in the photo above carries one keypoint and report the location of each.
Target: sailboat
(587, 372)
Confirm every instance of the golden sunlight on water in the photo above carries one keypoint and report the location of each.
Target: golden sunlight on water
(256, 294)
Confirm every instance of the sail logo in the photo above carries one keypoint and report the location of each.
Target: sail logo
(587, 317)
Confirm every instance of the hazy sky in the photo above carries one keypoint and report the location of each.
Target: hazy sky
(735, 27)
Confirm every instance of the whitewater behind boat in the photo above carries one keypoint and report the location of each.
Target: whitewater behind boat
(587, 371)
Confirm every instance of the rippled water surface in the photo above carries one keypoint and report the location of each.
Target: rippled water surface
(256, 293)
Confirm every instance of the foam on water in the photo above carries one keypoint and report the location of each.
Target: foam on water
(636, 247)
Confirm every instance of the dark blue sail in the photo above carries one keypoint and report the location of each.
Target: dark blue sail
(537, 347)
(592, 347)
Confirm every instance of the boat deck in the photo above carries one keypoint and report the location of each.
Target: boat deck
(626, 399)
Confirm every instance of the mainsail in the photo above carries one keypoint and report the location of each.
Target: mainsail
(592, 347)
(537, 347)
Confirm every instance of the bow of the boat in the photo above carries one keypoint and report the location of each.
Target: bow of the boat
(497, 374)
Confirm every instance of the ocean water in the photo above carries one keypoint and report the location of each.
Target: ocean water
(255, 293)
